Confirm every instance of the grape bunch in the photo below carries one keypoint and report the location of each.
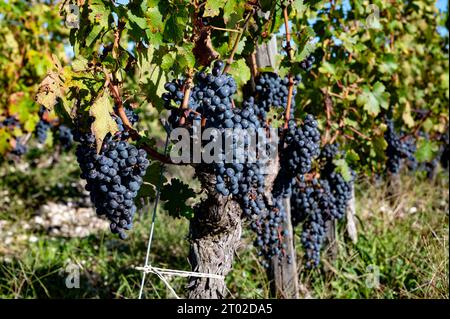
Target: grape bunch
(317, 199)
(20, 148)
(311, 204)
(114, 177)
(42, 126)
(10, 122)
(132, 118)
(268, 226)
(398, 149)
(329, 152)
(211, 100)
(65, 136)
(307, 64)
(41, 130)
(303, 145)
(272, 91)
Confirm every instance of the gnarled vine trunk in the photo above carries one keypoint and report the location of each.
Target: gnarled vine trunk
(215, 233)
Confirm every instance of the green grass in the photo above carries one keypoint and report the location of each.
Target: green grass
(404, 238)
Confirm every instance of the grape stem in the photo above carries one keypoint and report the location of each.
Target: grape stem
(354, 130)
(187, 94)
(236, 43)
(424, 118)
(328, 106)
(253, 65)
(133, 133)
(288, 49)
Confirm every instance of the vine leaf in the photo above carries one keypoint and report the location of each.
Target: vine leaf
(240, 72)
(373, 99)
(388, 64)
(379, 145)
(299, 6)
(406, 115)
(151, 77)
(93, 35)
(155, 24)
(426, 150)
(176, 194)
(343, 168)
(79, 64)
(351, 156)
(4, 140)
(276, 117)
(212, 7)
(103, 122)
(232, 13)
(49, 91)
(327, 68)
(203, 50)
(185, 57)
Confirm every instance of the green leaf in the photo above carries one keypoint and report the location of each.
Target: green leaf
(212, 7)
(139, 21)
(103, 122)
(388, 64)
(79, 64)
(232, 13)
(373, 99)
(4, 140)
(352, 156)
(327, 68)
(240, 72)
(174, 29)
(176, 194)
(93, 35)
(299, 7)
(99, 12)
(379, 146)
(343, 168)
(185, 58)
(426, 150)
(241, 45)
(168, 61)
(151, 77)
(155, 25)
(276, 117)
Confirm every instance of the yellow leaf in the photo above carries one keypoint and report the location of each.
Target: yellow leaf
(103, 122)
(406, 116)
(49, 90)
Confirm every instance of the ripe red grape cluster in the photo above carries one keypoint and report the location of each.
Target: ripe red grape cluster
(317, 200)
(398, 149)
(114, 176)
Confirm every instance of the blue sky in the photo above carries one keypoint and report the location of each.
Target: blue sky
(442, 5)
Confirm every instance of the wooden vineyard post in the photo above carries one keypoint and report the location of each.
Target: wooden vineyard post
(283, 274)
(350, 217)
(331, 248)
